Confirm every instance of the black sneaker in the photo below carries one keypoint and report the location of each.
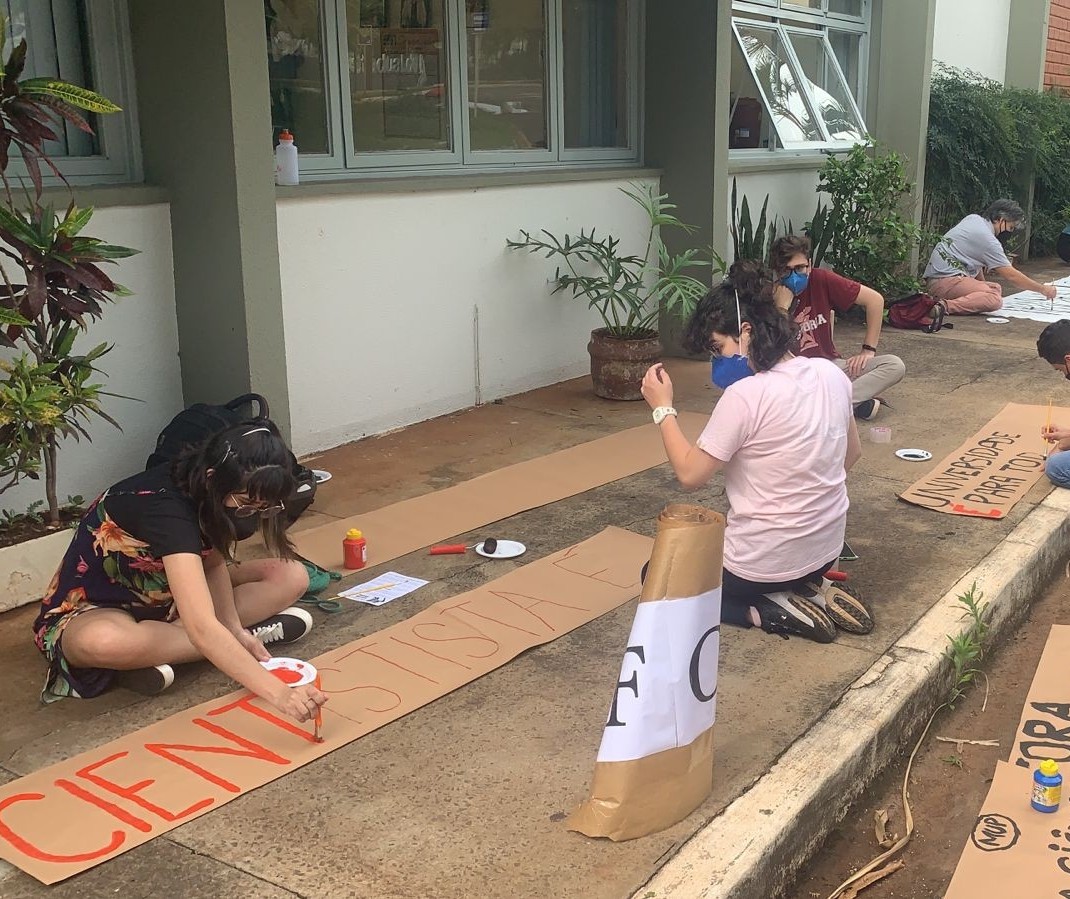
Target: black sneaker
(146, 681)
(867, 411)
(795, 613)
(845, 606)
(287, 626)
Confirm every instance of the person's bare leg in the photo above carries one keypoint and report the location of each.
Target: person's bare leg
(111, 638)
(264, 587)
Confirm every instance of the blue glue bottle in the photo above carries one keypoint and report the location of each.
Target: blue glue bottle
(1047, 787)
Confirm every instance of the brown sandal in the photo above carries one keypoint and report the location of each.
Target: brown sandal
(845, 606)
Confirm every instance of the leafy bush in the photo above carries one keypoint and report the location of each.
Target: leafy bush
(987, 141)
(862, 231)
(51, 283)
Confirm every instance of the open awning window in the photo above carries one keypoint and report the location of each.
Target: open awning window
(802, 88)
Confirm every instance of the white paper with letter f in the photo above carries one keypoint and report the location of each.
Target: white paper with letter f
(655, 762)
(667, 691)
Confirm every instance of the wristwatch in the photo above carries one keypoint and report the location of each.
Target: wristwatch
(866, 346)
(662, 412)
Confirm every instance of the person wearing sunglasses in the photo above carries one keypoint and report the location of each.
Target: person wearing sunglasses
(784, 435)
(976, 246)
(810, 296)
(150, 581)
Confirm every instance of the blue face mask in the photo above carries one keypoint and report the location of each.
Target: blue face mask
(729, 369)
(726, 370)
(795, 282)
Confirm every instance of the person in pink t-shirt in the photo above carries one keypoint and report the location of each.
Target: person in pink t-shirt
(784, 435)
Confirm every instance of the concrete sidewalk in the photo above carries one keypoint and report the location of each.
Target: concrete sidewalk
(466, 796)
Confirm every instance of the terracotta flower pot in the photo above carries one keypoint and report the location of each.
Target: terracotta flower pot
(618, 364)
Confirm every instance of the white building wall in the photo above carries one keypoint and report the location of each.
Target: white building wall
(143, 364)
(380, 291)
(792, 197)
(972, 34)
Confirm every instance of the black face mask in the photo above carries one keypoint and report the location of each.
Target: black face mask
(244, 526)
(1004, 236)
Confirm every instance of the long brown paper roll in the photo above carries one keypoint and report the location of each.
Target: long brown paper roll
(655, 764)
(412, 524)
(78, 813)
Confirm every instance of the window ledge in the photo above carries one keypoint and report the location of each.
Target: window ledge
(103, 196)
(777, 161)
(461, 181)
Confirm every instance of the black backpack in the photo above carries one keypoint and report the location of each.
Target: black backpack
(200, 421)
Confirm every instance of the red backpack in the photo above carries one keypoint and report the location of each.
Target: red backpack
(914, 313)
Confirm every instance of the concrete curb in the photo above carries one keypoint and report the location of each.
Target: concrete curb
(753, 849)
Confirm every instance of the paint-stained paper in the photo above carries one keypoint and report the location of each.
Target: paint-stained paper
(424, 520)
(655, 762)
(1014, 852)
(1044, 729)
(78, 813)
(992, 470)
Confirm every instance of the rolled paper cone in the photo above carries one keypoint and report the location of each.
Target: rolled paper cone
(655, 763)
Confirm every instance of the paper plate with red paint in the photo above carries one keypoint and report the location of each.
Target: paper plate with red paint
(292, 672)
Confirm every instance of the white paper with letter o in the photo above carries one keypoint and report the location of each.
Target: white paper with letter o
(666, 695)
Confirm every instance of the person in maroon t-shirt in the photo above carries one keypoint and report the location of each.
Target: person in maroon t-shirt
(811, 296)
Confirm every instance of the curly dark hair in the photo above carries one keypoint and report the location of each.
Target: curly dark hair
(772, 334)
(249, 458)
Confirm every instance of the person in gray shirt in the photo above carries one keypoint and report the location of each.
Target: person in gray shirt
(956, 271)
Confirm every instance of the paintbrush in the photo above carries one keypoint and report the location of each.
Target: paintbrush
(319, 715)
(1047, 427)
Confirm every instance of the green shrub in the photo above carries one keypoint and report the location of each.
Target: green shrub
(984, 141)
(862, 231)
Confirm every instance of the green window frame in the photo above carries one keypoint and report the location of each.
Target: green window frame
(66, 39)
(834, 29)
(605, 73)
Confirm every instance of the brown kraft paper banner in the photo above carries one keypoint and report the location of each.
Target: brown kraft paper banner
(412, 524)
(78, 813)
(992, 470)
(1044, 729)
(1014, 851)
(655, 762)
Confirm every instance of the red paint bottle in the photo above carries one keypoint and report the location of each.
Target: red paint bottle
(354, 550)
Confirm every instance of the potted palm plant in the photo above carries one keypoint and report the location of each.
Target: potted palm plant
(627, 290)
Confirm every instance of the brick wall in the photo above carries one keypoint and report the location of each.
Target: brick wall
(1057, 64)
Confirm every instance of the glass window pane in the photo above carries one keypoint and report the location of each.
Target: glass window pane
(749, 126)
(829, 92)
(506, 74)
(814, 5)
(296, 72)
(398, 75)
(768, 58)
(846, 7)
(57, 37)
(847, 47)
(595, 37)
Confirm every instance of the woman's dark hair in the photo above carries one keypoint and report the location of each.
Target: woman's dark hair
(772, 335)
(250, 458)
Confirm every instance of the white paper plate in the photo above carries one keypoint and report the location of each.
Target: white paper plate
(293, 672)
(507, 549)
(998, 320)
(321, 476)
(914, 455)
